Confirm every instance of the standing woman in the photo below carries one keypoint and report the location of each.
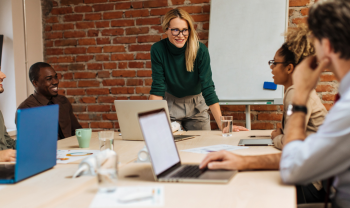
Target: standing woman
(181, 74)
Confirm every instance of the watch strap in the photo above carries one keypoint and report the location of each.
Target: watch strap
(299, 108)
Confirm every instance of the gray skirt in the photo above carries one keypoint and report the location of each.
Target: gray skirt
(190, 111)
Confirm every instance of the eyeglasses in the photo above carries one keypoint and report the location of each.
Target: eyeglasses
(272, 62)
(176, 32)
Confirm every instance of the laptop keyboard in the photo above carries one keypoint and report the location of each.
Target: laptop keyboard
(189, 171)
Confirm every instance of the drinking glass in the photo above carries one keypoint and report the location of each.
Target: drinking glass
(107, 174)
(226, 125)
(106, 139)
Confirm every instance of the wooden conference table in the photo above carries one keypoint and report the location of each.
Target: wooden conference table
(56, 188)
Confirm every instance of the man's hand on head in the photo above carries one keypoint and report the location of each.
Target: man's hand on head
(305, 78)
(8, 155)
(223, 160)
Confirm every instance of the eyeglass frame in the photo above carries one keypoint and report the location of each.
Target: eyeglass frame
(180, 31)
(273, 62)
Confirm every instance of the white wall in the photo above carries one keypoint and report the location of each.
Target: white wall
(8, 97)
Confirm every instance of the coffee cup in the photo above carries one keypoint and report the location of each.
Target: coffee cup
(84, 137)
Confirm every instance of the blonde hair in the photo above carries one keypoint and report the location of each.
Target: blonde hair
(192, 41)
(299, 43)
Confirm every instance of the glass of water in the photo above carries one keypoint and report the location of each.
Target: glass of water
(226, 125)
(106, 139)
(107, 173)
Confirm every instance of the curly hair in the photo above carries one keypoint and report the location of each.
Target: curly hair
(297, 45)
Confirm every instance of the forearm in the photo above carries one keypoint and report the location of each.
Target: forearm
(155, 97)
(216, 111)
(262, 162)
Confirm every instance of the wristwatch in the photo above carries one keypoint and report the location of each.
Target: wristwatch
(296, 108)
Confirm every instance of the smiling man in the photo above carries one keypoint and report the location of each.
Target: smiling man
(45, 81)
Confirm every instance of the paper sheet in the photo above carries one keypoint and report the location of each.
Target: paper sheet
(111, 199)
(215, 148)
(67, 156)
(2, 186)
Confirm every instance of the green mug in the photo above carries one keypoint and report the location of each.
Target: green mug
(84, 137)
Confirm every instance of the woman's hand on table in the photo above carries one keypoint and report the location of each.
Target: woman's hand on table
(239, 128)
(275, 133)
(8, 155)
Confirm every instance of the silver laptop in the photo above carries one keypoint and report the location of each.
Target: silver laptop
(127, 111)
(166, 164)
(255, 142)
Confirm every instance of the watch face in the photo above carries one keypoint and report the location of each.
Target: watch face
(290, 110)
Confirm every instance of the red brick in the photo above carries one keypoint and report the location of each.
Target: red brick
(122, 23)
(102, 125)
(61, 59)
(94, 1)
(76, 67)
(232, 108)
(68, 76)
(124, 5)
(327, 78)
(192, 9)
(143, 90)
(148, 38)
(62, 10)
(328, 106)
(75, 50)
(117, 57)
(112, 15)
(61, 92)
(148, 21)
(69, 84)
(148, 82)
(74, 34)
(73, 17)
(87, 100)
(108, 49)
(263, 107)
(177, 2)
(157, 12)
(99, 108)
(85, 25)
(68, 26)
(89, 116)
(102, 41)
(111, 116)
(122, 90)
(301, 20)
(92, 16)
(109, 32)
(257, 126)
(65, 42)
(79, 108)
(270, 117)
(324, 88)
(143, 56)
(93, 33)
(52, 20)
(84, 75)
(140, 47)
(68, 2)
(206, 8)
(124, 40)
(75, 92)
(94, 66)
(144, 73)
(71, 99)
(94, 50)
(136, 30)
(199, 1)
(134, 82)
(103, 7)
(123, 73)
(201, 17)
(203, 35)
(89, 41)
(48, 43)
(155, 3)
(60, 67)
(102, 24)
(122, 65)
(84, 58)
(137, 13)
(79, 9)
(148, 64)
(53, 35)
(111, 65)
(113, 82)
(106, 100)
(97, 91)
(328, 97)
(103, 74)
(136, 64)
(295, 3)
(138, 97)
(54, 51)
(89, 83)
(102, 57)
(304, 11)
(206, 26)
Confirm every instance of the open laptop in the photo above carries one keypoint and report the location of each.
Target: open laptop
(36, 144)
(166, 164)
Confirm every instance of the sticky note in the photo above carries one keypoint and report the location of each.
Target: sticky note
(270, 86)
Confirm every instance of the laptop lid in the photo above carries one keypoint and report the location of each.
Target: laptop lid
(127, 111)
(159, 140)
(37, 130)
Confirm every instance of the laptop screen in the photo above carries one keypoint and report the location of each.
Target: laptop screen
(159, 139)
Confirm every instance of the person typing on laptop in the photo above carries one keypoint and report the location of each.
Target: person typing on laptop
(45, 81)
(7, 144)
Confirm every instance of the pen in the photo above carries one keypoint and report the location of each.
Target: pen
(259, 136)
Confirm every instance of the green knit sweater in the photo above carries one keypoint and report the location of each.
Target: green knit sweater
(169, 72)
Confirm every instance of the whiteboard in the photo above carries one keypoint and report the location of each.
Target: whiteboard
(243, 36)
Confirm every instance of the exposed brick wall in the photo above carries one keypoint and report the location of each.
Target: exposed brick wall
(101, 50)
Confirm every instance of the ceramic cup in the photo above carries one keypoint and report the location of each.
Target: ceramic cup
(84, 137)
